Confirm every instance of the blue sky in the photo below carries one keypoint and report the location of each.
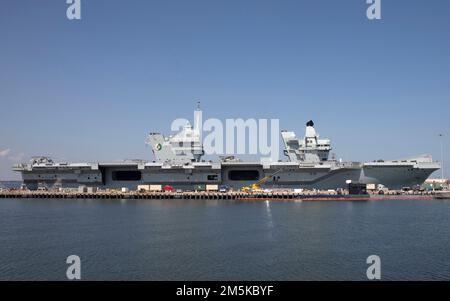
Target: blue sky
(91, 90)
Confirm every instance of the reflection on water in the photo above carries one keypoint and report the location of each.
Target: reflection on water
(223, 239)
(269, 215)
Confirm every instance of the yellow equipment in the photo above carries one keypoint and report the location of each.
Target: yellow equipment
(257, 185)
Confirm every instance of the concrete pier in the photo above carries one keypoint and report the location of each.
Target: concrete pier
(203, 195)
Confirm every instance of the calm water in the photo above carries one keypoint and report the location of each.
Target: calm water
(223, 240)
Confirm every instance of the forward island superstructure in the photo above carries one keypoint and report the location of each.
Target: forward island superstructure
(178, 162)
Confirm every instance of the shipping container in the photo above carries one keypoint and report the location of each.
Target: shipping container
(212, 187)
(92, 189)
(371, 187)
(155, 187)
(143, 187)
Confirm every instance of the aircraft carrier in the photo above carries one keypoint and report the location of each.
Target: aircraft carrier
(178, 163)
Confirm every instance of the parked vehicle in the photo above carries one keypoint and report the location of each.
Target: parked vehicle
(169, 188)
(224, 188)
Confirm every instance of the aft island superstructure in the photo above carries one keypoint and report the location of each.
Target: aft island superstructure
(178, 162)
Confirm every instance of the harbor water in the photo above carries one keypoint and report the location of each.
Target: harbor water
(223, 239)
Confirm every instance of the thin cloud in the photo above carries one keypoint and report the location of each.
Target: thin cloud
(7, 154)
(4, 153)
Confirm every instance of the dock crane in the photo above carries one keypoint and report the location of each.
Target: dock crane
(257, 185)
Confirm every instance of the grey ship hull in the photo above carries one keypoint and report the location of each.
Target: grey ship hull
(324, 175)
(178, 164)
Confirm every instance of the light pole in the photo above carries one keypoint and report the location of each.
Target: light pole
(442, 155)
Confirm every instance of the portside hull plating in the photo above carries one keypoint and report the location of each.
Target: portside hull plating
(290, 176)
